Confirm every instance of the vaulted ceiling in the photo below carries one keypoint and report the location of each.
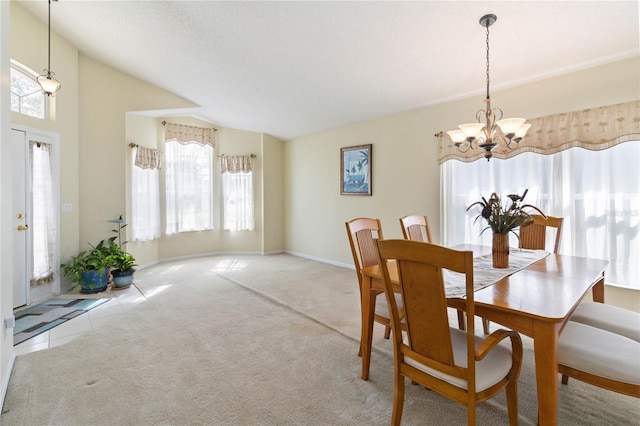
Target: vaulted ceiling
(294, 68)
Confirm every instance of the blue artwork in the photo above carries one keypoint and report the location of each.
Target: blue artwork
(356, 169)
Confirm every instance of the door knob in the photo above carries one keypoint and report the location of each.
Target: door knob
(23, 227)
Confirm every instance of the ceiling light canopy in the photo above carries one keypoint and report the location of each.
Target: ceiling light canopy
(46, 81)
(490, 129)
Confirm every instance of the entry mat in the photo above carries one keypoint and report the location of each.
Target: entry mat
(44, 316)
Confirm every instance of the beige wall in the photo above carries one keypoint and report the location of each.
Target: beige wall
(273, 194)
(405, 170)
(103, 141)
(28, 46)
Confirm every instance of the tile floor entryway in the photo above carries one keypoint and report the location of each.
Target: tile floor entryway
(120, 300)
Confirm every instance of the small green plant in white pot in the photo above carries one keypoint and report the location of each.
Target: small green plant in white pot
(122, 266)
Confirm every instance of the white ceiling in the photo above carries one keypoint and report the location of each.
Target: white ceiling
(294, 68)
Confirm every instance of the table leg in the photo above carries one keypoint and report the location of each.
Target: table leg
(597, 291)
(545, 345)
(366, 339)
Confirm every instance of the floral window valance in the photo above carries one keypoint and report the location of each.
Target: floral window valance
(594, 129)
(190, 134)
(236, 164)
(147, 158)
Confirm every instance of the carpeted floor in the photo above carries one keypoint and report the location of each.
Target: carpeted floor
(44, 316)
(252, 340)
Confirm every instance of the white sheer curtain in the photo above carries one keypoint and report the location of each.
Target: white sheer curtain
(189, 186)
(597, 193)
(237, 192)
(145, 194)
(43, 227)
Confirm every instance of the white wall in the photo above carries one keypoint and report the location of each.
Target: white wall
(6, 283)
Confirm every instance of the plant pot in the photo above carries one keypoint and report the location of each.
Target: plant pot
(94, 281)
(122, 279)
(500, 250)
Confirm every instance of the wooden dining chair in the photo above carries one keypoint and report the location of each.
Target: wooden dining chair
(455, 363)
(603, 320)
(599, 357)
(416, 228)
(362, 233)
(533, 234)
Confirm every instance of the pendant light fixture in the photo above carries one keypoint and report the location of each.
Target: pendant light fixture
(46, 81)
(490, 129)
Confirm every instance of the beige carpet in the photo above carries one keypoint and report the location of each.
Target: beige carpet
(251, 340)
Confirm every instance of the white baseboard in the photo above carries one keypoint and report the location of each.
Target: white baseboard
(320, 259)
(7, 376)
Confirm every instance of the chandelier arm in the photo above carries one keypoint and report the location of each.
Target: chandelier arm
(460, 144)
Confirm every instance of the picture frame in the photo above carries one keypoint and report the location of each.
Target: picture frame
(355, 170)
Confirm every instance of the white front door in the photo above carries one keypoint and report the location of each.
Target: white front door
(35, 212)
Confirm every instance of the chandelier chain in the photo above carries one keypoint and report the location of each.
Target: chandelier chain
(49, 47)
(488, 79)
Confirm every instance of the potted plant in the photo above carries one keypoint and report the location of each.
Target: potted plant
(90, 268)
(122, 266)
(502, 219)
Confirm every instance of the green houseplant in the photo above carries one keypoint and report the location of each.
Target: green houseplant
(90, 268)
(123, 264)
(503, 219)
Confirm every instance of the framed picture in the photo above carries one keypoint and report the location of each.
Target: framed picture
(355, 170)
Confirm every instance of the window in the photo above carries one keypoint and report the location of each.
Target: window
(597, 192)
(145, 194)
(237, 192)
(43, 226)
(189, 187)
(26, 95)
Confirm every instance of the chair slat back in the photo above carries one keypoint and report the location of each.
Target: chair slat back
(362, 233)
(416, 228)
(533, 235)
(420, 273)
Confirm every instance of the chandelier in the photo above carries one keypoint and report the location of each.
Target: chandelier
(491, 129)
(46, 81)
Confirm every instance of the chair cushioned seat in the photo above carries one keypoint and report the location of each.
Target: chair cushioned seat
(493, 368)
(382, 307)
(599, 352)
(608, 317)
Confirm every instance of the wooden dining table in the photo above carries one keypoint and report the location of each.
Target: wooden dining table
(535, 301)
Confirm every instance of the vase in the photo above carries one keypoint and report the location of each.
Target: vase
(500, 250)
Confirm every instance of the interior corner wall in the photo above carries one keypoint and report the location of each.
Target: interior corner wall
(405, 171)
(142, 131)
(240, 142)
(272, 194)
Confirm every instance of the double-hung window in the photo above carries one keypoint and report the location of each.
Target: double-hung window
(189, 153)
(237, 192)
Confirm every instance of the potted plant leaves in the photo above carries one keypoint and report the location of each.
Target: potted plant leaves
(90, 268)
(122, 266)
